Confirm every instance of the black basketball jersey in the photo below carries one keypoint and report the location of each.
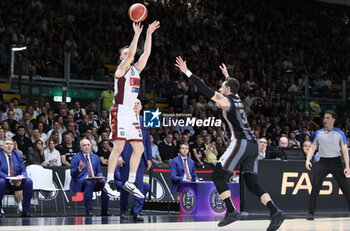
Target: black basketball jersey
(237, 120)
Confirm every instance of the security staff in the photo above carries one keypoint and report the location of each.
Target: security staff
(331, 143)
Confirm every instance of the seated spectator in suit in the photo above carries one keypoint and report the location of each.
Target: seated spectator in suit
(68, 148)
(104, 152)
(84, 165)
(262, 143)
(11, 164)
(182, 169)
(306, 147)
(167, 149)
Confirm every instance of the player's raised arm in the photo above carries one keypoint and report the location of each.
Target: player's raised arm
(127, 55)
(217, 97)
(141, 63)
(224, 71)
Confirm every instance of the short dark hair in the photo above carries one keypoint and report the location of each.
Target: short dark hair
(20, 127)
(330, 112)
(233, 84)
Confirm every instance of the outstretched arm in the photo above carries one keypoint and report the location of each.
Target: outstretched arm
(131, 53)
(217, 97)
(148, 45)
(224, 71)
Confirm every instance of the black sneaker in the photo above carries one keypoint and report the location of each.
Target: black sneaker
(132, 188)
(310, 217)
(229, 218)
(124, 215)
(111, 189)
(276, 220)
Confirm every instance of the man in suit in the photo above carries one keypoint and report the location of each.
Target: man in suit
(123, 169)
(85, 165)
(182, 168)
(12, 165)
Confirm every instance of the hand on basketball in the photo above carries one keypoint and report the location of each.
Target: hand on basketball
(346, 171)
(223, 69)
(180, 63)
(153, 26)
(137, 27)
(308, 165)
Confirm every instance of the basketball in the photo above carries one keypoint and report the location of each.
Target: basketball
(137, 12)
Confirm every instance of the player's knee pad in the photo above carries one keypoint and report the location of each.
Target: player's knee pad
(218, 177)
(251, 181)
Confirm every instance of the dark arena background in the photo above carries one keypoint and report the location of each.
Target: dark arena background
(57, 65)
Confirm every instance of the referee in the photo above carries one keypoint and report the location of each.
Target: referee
(331, 142)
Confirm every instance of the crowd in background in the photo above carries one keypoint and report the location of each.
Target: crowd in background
(271, 47)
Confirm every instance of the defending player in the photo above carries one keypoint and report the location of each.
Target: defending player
(243, 148)
(123, 120)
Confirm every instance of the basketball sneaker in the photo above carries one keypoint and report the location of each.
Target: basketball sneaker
(229, 218)
(132, 188)
(111, 189)
(276, 220)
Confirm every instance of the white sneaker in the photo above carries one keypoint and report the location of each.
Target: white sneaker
(111, 189)
(2, 211)
(132, 188)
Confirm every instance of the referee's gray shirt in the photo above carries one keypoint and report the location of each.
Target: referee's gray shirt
(329, 142)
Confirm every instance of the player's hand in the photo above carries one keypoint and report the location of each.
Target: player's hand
(153, 26)
(347, 171)
(149, 164)
(180, 63)
(137, 27)
(120, 162)
(308, 165)
(223, 69)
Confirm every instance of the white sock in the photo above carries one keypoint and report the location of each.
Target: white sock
(20, 206)
(110, 176)
(132, 177)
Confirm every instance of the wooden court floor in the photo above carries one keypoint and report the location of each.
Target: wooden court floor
(53, 224)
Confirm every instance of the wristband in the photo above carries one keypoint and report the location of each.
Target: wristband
(188, 73)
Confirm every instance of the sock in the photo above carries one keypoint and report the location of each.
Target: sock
(20, 208)
(132, 177)
(272, 207)
(229, 205)
(110, 176)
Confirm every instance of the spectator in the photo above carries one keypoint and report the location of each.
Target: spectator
(25, 122)
(56, 128)
(210, 147)
(220, 146)
(182, 169)
(6, 127)
(306, 147)
(156, 159)
(78, 112)
(23, 142)
(283, 142)
(88, 136)
(16, 109)
(104, 152)
(36, 154)
(198, 151)
(167, 150)
(262, 143)
(11, 121)
(52, 156)
(68, 148)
